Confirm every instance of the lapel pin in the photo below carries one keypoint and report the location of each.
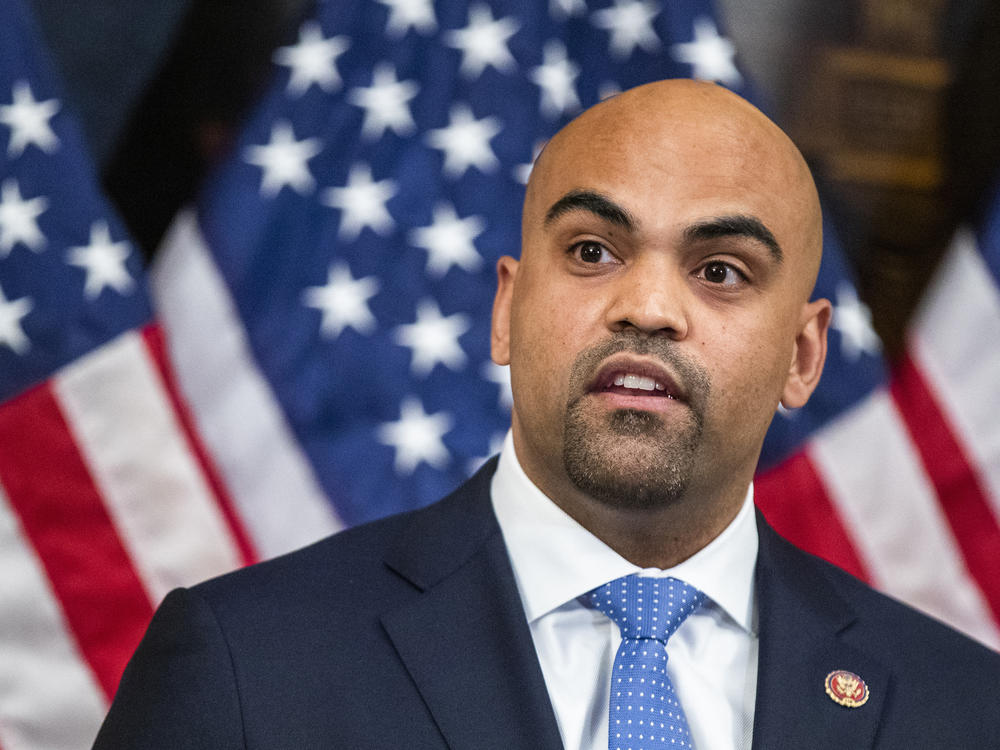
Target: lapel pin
(846, 688)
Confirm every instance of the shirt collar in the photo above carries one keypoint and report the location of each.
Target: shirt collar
(555, 559)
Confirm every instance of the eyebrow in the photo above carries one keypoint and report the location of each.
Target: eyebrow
(736, 225)
(595, 203)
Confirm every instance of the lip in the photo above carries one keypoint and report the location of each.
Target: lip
(668, 390)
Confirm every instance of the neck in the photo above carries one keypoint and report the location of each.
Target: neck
(659, 537)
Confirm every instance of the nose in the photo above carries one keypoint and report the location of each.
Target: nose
(650, 298)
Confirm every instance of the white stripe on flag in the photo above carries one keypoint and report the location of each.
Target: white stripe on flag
(237, 415)
(125, 427)
(955, 340)
(874, 476)
(48, 695)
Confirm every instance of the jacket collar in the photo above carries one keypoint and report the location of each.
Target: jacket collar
(465, 640)
(466, 643)
(803, 624)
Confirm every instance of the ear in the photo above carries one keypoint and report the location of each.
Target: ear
(500, 331)
(809, 354)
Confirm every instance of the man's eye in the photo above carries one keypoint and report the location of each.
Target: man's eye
(718, 272)
(592, 252)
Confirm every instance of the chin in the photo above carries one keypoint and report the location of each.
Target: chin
(631, 460)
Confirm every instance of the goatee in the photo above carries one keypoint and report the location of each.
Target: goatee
(632, 458)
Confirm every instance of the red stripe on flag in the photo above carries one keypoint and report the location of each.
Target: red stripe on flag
(960, 494)
(67, 524)
(154, 339)
(794, 500)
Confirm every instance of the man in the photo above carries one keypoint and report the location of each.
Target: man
(657, 317)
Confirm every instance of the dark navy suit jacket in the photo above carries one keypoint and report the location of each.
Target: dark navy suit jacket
(409, 633)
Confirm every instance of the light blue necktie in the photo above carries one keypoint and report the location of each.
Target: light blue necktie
(645, 713)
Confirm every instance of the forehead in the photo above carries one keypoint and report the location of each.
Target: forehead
(674, 162)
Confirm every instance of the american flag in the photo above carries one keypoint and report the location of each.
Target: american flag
(106, 499)
(903, 490)
(354, 233)
(353, 236)
(326, 307)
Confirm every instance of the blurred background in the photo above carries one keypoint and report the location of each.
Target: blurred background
(243, 408)
(892, 102)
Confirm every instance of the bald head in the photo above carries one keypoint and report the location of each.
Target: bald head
(660, 312)
(675, 131)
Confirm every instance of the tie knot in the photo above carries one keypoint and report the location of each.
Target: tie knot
(645, 607)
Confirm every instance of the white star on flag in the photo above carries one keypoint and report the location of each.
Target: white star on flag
(19, 218)
(11, 312)
(433, 338)
(466, 141)
(28, 121)
(853, 319)
(103, 261)
(385, 103)
(496, 444)
(556, 77)
(449, 241)
(313, 60)
(563, 9)
(362, 203)
(712, 57)
(484, 42)
(343, 301)
(631, 25)
(284, 161)
(522, 172)
(608, 89)
(409, 14)
(500, 374)
(417, 437)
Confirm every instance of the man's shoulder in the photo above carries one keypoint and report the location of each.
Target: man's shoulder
(930, 686)
(896, 633)
(297, 586)
(358, 561)
(902, 625)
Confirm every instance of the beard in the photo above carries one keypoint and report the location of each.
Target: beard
(633, 459)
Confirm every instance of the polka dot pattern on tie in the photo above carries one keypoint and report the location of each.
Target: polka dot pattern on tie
(645, 713)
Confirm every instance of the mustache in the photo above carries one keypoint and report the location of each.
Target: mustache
(691, 375)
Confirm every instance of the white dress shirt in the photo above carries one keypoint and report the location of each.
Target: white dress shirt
(712, 656)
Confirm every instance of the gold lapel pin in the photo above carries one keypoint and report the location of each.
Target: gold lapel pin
(846, 688)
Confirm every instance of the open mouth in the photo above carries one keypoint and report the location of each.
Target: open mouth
(630, 377)
(632, 382)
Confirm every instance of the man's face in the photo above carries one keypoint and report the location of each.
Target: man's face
(655, 319)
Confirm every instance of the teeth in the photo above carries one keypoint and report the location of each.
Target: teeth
(638, 382)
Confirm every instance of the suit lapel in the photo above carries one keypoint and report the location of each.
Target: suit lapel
(802, 624)
(468, 649)
(464, 639)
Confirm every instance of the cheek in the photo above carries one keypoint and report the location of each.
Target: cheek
(535, 354)
(548, 329)
(749, 366)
